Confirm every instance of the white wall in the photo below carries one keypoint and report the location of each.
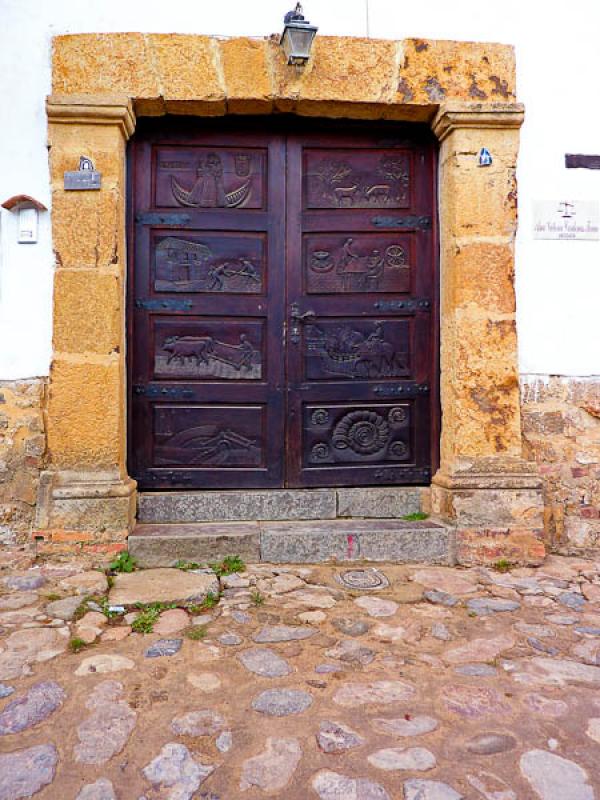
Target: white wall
(558, 61)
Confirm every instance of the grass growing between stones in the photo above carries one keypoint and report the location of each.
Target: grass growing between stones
(76, 644)
(148, 616)
(195, 632)
(257, 598)
(82, 609)
(503, 565)
(186, 566)
(124, 562)
(228, 565)
(416, 516)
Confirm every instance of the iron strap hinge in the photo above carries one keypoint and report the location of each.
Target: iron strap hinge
(408, 389)
(411, 304)
(398, 474)
(164, 305)
(155, 218)
(421, 222)
(163, 392)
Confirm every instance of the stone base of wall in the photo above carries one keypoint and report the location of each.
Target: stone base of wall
(22, 452)
(561, 432)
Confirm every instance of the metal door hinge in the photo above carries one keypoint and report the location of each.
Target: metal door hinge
(421, 222)
(164, 305)
(153, 218)
(163, 392)
(408, 389)
(411, 304)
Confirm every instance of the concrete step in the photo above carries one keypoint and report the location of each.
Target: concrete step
(278, 504)
(309, 541)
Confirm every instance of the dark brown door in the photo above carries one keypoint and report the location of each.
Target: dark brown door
(282, 307)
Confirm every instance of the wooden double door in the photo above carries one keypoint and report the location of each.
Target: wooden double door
(282, 305)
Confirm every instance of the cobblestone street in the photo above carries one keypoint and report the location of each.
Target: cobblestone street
(332, 682)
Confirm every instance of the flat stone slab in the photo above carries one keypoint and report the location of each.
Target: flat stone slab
(282, 633)
(37, 704)
(555, 778)
(418, 725)
(24, 773)
(275, 504)
(334, 737)
(164, 647)
(334, 786)
(162, 585)
(162, 545)
(265, 662)
(175, 774)
(271, 770)
(384, 501)
(349, 540)
(282, 702)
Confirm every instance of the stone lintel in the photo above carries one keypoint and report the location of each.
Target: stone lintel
(454, 115)
(92, 109)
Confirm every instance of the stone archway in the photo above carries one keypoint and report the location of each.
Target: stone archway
(464, 90)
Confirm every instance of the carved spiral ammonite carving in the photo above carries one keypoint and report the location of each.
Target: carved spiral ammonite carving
(319, 417)
(397, 415)
(320, 451)
(398, 449)
(365, 432)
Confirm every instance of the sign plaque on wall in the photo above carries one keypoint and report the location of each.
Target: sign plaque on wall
(566, 219)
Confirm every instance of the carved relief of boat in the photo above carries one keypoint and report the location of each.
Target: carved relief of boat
(232, 199)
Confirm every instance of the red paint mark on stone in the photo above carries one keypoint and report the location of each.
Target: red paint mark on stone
(350, 551)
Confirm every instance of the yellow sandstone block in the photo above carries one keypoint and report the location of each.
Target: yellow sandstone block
(97, 63)
(87, 228)
(433, 71)
(104, 144)
(246, 75)
(86, 414)
(87, 312)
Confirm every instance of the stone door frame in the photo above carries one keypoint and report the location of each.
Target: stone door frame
(483, 486)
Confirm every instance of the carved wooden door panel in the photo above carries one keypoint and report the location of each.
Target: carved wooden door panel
(206, 308)
(281, 306)
(360, 297)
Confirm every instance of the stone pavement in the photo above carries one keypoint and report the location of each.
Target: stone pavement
(434, 684)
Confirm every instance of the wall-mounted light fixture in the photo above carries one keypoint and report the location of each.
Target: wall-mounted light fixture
(28, 210)
(297, 37)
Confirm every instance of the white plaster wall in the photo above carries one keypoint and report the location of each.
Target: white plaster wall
(558, 58)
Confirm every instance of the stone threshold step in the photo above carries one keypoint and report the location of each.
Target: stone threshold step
(307, 542)
(278, 504)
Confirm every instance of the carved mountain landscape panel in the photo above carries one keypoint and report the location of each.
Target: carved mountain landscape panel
(205, 436)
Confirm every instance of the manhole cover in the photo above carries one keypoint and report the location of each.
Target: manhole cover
(365, 579)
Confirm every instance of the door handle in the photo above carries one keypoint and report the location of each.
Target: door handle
(297, 319)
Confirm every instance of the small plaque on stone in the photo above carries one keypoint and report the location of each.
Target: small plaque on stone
(85, 178)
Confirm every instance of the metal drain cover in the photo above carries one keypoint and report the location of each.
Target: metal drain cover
(369, 579)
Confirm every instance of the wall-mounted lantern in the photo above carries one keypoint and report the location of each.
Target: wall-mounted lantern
(297, 37)
(28, 210)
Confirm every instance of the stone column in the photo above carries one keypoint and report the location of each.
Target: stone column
(483, 486)
(85, 494)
